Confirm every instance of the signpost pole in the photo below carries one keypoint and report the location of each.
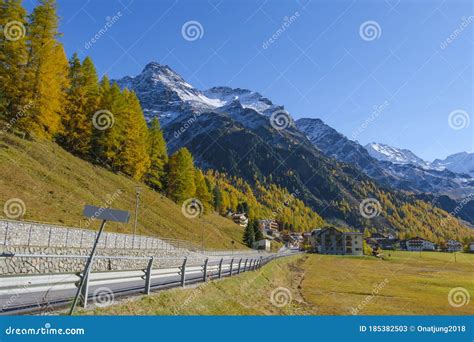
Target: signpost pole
(86, 271)
(104, 214)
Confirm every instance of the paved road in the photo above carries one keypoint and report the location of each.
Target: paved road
(43, 293)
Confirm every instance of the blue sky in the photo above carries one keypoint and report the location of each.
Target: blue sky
(318, 66)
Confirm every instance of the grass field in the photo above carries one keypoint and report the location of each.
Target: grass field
(55, 186)
(402, 284)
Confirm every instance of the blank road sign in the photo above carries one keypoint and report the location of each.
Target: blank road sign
(106, 214)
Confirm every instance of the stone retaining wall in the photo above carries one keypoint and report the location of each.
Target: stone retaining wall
(31, 238)
(17, 265)
(19, 233)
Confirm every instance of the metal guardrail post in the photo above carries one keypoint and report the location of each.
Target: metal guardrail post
(240, 262)
(260, 262)
(29, 234)
(204, 270)
(148, 276)
(6, 235)
(231, 266)
(49, 238)
(220, 268)
(85, 288)
(183, 272)
(245, 265)
(87, 270)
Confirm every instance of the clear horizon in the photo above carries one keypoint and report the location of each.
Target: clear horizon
(385, 72)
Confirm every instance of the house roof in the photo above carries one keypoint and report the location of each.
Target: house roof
(321, 230)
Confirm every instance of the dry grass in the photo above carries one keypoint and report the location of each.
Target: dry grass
(55, 186)
(324, 285)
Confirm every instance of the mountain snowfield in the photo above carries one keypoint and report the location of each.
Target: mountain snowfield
(461, 163)
(395, 155)
(224, 112)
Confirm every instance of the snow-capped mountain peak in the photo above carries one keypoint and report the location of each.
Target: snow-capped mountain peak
(462, 162)
(395, 155)
(163, 93)
(247, 98)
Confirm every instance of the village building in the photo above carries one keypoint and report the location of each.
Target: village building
(330, 240)
(241, 219)
(453, 246)
(263, 244)
(417, 244)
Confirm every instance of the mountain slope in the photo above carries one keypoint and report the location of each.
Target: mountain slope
(235, 138)
(462, 162)
(55, 186)
(407, 174)
(395, 155)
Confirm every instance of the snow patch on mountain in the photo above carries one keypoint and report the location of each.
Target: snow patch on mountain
(462, 162)
(247, 98)
(395, 155)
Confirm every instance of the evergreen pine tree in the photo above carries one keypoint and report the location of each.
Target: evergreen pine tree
(217, 194)
(249, 236)
(180, 182)
(256, 229)
(13, 58)
(158, 156)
